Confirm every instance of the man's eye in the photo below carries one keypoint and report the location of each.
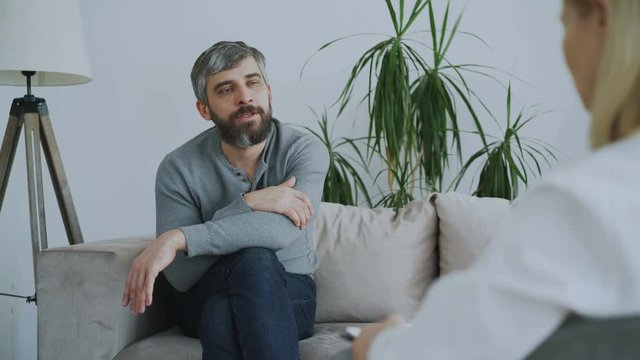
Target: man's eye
(254, 82)
(226, 90)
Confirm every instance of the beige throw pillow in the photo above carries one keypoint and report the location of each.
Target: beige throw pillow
(371, 264)
(467, 224)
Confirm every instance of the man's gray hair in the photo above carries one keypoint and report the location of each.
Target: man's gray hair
(224, 55)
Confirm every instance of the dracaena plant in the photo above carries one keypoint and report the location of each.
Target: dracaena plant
(413, 121)
(433, 97)
(343, 183)
(413, 128)
(509, 161)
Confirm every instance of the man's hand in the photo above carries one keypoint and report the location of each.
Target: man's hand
(138, 291)
(362, 343)
(282, 199)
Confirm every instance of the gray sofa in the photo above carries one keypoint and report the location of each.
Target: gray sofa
(372, 263)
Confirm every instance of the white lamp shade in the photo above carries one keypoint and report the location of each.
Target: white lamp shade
(45, 36)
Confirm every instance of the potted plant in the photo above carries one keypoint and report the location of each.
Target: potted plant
(343, 182)
(508, 161)
(413, 120)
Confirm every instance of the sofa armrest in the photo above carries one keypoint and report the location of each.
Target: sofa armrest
(79, 290)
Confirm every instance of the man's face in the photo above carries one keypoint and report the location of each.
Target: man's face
(239, 104)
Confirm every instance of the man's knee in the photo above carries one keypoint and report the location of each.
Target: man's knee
(256, 257)
(256, 264)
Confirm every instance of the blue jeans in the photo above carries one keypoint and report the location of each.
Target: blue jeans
(246, 306)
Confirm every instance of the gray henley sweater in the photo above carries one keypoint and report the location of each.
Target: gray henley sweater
(199, 192)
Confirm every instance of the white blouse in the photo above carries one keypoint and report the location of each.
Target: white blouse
(571, 244)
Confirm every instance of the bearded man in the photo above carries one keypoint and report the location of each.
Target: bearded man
(234, 219)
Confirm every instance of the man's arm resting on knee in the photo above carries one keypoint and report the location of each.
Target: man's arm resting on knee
(282, 199)
(265, 223)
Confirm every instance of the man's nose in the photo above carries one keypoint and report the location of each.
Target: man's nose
(245, 96)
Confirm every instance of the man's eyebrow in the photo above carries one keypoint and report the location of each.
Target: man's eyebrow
(253, 75)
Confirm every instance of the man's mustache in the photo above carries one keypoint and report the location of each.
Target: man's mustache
(247, 109)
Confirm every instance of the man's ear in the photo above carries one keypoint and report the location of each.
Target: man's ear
(269, 88)
(203, 109)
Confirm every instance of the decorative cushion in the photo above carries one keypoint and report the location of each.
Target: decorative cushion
(466, 225)
(372, 264)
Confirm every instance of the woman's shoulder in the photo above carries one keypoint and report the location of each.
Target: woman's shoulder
(613, 168)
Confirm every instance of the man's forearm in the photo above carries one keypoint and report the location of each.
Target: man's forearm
(138, 291)
(175, 239)
(233, 233)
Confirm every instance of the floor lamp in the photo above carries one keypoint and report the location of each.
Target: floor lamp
(42, 43)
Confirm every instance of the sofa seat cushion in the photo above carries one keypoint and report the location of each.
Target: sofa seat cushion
(326, 341)
(171, 344)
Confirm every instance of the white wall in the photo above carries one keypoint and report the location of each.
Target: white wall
(114, 131)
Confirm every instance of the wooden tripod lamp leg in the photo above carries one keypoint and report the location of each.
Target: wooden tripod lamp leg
(34, 178)
(8, 152)
(58, 178)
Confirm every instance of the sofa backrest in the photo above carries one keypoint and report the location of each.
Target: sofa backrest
(373, 263)
(466, 225)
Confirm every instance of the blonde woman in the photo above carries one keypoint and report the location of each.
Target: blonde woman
(571, 246)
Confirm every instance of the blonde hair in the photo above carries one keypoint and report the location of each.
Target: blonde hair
(616, 99)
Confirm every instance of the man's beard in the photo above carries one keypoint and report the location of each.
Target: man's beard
(247, 134)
